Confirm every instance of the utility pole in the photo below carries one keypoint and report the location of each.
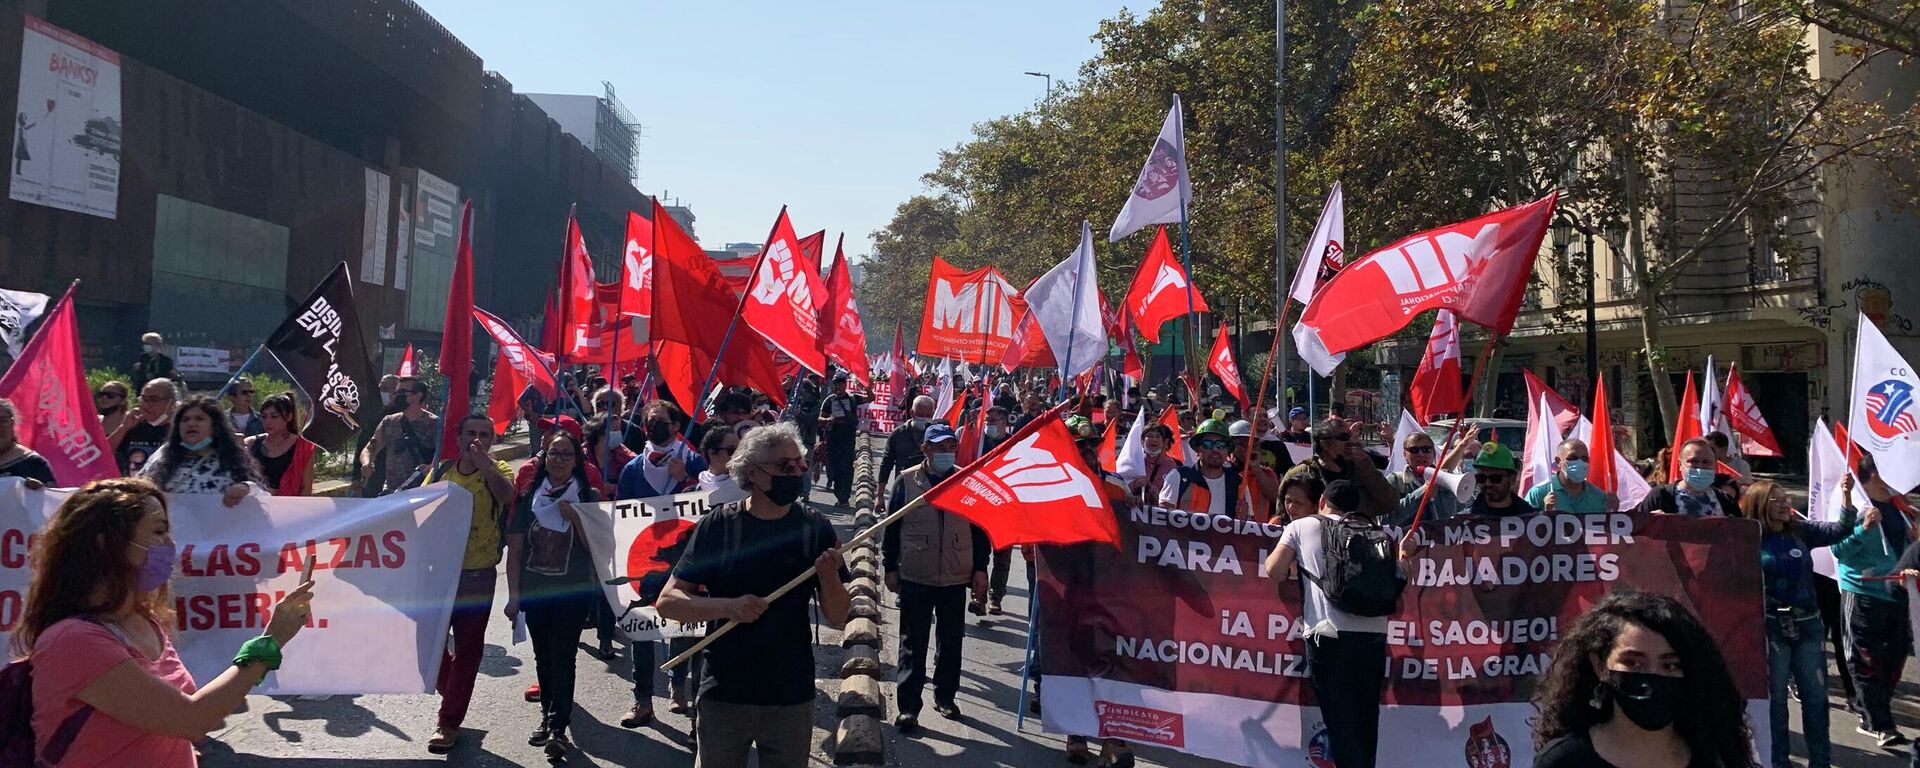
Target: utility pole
(1281, 347)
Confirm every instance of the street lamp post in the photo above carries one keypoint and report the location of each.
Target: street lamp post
(1593, 330)
(1047, 100)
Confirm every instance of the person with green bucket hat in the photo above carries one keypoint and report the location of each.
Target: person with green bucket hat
(1496, 471)
(1206, 486)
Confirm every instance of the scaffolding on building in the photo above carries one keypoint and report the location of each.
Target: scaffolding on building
(618, 135)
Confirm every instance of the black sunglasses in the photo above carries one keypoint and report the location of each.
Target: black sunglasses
(1419, 449)
(1489, 479)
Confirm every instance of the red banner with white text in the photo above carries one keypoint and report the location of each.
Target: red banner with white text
(1177, 638)
(969, 314)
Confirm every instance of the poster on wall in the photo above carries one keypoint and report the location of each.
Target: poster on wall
(208, 360)
(434, 213)
(66, 127)
(403, 243)
(373, 228)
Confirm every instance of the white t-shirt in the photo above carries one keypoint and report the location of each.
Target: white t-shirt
(1216, 491)
(1307, 538)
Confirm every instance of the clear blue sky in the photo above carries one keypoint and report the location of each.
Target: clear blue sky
(834, 109)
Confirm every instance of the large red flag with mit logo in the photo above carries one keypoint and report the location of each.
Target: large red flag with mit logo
(53, 408)
(1033, 489)
(1221, 363)
(1159, 290)
(1478, 268)
(969, 314)
(785, 296)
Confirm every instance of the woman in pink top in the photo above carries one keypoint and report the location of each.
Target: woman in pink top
(108, 688)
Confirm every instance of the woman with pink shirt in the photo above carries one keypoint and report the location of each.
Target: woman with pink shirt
(108, 687)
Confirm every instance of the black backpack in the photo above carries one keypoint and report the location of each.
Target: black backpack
(1360, 572)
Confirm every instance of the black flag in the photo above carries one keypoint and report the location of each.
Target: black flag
(320, 345)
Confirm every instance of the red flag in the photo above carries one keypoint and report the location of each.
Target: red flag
(969, 315)
(1600, 450)
(1159, 290)
(1847, 448)
(53, 407)
(1478, 268)
(691, 309)
(1130, 364)
(580, 303)
(1756, 438)
(812, 246)
(901, 370)
(1028, 349)
(1109, 452)
(1033, 489)
(636, 299)
(971, 437)
(1436, 385)
(456, 341)
(1171, 418)
(1687, 428)
(406, 363)
(785, 296)
(1221, 363)
(503, 405)
(533, 367)
(846, 338)
(550, 329)
(1565, 416)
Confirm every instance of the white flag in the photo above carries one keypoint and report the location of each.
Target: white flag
(1132, 459)
(1162, 192)
(1543, 438)
(18, 309)
(1397, 451)
(944, 395)
(1826, 467)
(1066, 303)
(1326, 246)
(1713, 412)
(1884, 418)
(1307, 344)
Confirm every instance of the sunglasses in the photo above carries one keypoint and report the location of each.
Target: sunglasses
(247, 392)
(109, 396)
(1339, 438)
(788, 466)
(1419, 449)
(1493, 479)
(1211, 445)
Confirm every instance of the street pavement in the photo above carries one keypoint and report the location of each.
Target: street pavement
(391, 731)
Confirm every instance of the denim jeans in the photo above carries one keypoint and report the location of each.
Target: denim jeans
(1803, 661)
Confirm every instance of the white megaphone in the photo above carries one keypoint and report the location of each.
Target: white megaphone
(1462, 486)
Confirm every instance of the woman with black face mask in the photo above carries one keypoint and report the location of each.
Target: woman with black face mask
(1638, 683)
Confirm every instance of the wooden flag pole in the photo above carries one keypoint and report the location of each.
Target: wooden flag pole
(796, 581)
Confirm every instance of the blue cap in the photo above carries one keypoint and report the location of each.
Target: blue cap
(937, 433)
(1296, 412)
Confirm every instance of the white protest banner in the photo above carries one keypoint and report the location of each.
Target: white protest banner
(635, 544)
(384, 575)
(202, 360)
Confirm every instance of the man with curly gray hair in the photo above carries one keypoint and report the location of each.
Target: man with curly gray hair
(758, 691)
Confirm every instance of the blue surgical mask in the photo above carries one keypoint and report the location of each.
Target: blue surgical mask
(198, 445)
(159, 566)
(940, 463)
(1575, 470)
(1699, 479)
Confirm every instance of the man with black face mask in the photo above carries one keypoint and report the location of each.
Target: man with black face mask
(758, 690)
(903, 446)
(931, 557)
(840, 418)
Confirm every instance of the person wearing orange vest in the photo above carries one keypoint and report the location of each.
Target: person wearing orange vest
(1206, 486)
(1264, 486)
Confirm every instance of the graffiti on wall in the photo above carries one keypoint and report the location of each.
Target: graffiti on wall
(1869, 296)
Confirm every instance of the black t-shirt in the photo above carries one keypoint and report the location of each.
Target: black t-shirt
(142, 440)
(731, 553)
(1575, 750)
(30, 465)
(1519, 508)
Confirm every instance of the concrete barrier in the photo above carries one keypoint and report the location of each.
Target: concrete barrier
(859, 741)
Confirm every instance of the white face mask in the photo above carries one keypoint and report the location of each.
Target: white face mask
(994, 430)
(149, 348)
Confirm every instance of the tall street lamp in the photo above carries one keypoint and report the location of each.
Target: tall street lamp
(1046, 100)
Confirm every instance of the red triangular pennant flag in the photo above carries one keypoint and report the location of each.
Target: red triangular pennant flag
(1687, 428)
(456, 340)
(1160, 290)
(1220, 363)
(1177, 449)
(1600, 449)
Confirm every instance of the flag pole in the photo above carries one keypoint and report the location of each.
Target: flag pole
(1473, 385)
(237, 373)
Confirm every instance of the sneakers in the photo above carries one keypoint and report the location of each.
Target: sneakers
(443, 740)
(558, 746)
(1882, 739)
(540, 736)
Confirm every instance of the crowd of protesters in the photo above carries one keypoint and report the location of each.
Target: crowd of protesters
(1643, 657)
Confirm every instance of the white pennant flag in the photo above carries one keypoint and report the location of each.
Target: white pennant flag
(1884, 417)
(1713, 413)
(1327, 246)
(1162, 192)
(1826, 467)
(1543, 438)
(1132, 459)
(944, 395)
(1396, 452)
(18, 309)
(1066, 303)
